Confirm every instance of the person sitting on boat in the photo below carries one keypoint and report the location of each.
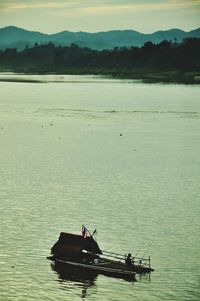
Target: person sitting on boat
(128, 260)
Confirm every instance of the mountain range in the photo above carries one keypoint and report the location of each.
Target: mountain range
(14, 37)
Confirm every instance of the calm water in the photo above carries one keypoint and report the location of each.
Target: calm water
(64, 164)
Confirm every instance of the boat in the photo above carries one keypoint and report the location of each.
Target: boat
(82, 254)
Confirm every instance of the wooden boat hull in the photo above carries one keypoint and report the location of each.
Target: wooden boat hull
(71, 273)
(92, 269)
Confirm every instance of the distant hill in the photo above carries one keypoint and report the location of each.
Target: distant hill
(14, 37)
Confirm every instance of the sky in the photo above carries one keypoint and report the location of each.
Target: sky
(147, 16)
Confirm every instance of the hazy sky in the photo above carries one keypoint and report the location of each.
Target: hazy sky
(51, 16)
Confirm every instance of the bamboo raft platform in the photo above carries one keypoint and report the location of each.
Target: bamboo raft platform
(82, 253)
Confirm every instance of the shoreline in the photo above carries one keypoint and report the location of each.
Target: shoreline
(143, 76)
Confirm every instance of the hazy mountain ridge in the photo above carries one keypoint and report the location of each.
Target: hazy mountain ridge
(15, 37)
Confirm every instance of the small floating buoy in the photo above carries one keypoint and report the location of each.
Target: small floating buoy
(120, 134)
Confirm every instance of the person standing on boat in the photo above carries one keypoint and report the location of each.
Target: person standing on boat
(128, 260)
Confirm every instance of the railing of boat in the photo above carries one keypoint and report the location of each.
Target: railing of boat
(136, 260)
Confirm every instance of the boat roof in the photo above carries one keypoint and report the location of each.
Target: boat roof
(88, 243)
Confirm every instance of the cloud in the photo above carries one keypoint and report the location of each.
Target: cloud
(136, 7)
(99, 6)
(20, 5)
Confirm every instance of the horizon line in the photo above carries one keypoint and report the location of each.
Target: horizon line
(109, 30)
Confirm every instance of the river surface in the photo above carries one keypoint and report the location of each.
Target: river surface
(117, 155)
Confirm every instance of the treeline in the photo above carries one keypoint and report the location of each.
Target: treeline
(152, 58)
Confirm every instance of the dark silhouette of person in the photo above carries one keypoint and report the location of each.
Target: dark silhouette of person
(128, 260)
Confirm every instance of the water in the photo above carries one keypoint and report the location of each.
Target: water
(119, 156)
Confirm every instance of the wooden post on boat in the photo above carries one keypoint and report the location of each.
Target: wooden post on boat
(149, 262)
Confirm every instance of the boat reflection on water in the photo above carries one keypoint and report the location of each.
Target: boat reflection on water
(77, 279)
